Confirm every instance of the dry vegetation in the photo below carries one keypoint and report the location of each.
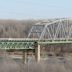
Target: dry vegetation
(15, 28)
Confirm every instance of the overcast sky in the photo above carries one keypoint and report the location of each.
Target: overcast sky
(35, 9)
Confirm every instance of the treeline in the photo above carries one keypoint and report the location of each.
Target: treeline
(15, 28)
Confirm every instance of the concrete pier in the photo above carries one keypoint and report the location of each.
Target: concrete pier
(37, 53)
(24, 56)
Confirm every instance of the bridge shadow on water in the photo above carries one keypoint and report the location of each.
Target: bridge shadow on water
(50, 64)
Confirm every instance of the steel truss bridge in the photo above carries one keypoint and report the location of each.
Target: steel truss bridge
(51, 31)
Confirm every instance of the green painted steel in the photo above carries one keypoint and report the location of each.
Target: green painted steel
(14, 45)
(28, 44)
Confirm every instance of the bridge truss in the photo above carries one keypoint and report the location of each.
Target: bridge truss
(53, 29)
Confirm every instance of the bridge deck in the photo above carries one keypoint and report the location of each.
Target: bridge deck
(28, 43)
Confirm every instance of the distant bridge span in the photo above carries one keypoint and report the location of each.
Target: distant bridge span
(51, 31)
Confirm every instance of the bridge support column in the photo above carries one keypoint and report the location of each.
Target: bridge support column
(37, 53)
(24, 56)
